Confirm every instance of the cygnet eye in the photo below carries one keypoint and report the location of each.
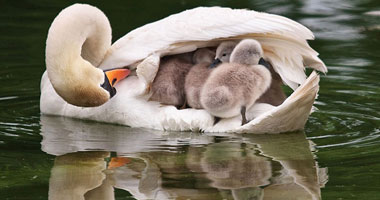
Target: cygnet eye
(224, 54)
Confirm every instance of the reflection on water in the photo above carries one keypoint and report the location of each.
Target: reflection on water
(79, 175)
(177, 165)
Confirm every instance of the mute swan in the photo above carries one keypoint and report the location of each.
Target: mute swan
(197, 76)
(168, 85)
(284, 42)
(234, 87)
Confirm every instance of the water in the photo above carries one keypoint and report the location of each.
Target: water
(38, 158)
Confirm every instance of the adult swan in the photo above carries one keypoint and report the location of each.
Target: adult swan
(78, 48)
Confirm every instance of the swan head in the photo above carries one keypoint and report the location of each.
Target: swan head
(247, 52)
(223, 53)
(85, 86)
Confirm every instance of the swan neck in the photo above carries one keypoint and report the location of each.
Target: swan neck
(77, 42)
(82, 31)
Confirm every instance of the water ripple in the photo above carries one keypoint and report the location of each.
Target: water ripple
(357, 142)
(8, 98)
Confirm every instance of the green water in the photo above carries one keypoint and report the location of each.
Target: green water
(340, 141)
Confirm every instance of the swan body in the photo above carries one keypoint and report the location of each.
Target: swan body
(284, 43)
(234, 87)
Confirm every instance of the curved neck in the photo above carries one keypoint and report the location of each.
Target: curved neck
(77, 41)
(82, 30)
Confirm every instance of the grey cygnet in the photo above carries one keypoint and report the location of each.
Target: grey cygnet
(232, 88)
(197, 76)
(168, 85)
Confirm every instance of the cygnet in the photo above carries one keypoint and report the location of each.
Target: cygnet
(198, 75)
(223, 53)
(274, 95)
(168, 85)
(233, 87)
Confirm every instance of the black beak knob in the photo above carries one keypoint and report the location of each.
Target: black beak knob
(107, 86)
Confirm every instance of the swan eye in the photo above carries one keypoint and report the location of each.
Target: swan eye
(224, 54)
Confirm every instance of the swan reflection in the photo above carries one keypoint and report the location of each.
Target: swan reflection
(181, 165)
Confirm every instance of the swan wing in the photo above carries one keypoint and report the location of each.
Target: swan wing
(284, 41)
(291, 115)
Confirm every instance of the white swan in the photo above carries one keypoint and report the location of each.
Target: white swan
(284, 42)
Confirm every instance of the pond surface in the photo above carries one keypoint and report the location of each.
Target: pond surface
(337, 156)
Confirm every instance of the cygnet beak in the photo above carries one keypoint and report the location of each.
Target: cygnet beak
(215, 63)
(111, 77)
(265, 63)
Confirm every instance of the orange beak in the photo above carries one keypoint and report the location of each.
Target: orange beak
(118, 162)
(116, 75)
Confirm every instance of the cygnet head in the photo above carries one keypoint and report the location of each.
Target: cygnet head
(203, 55)
(247, 52)
(223, 52)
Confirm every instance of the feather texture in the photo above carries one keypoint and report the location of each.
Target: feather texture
(284, 43)
(284, 40)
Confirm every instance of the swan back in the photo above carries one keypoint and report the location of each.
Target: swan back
(247, 52)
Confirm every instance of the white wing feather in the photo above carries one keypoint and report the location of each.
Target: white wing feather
(284, 40)
(291, 115)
